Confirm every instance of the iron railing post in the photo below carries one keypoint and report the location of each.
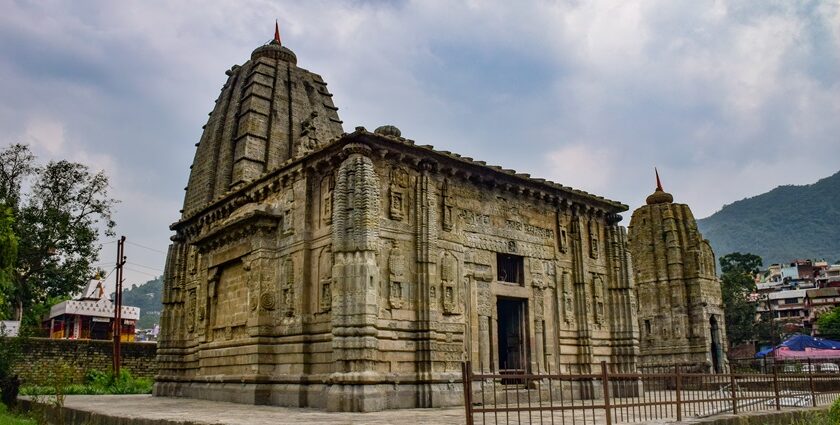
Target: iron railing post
(733, 392)
(605, 380)
(811, 383)
(776, 386)
(679, 387)
(466, 378)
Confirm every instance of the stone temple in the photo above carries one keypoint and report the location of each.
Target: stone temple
(355, 272)
(680, 307)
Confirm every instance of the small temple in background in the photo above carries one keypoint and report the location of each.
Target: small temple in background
(91, 316)
(680, 310)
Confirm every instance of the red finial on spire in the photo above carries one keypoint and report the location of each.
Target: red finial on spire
(276, 32)
(658, 183)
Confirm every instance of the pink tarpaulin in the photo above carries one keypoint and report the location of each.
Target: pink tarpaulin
(787, 353)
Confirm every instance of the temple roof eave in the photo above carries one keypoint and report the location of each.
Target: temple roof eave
(497, 171)
(382, 144)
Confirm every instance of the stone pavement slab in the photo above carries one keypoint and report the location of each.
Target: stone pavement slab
(146, 409)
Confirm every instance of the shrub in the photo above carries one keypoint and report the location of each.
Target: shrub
(96, 383)
(834, 412)
(9, 382)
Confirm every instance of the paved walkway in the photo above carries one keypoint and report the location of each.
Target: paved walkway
(194, 412)
(148, 410)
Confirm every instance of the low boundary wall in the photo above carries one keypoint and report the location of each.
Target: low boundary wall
(41, 355)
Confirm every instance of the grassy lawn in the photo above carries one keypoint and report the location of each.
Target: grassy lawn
(7, 418)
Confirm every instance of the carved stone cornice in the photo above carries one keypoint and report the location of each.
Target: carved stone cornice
(244, 227)
(478, 172)
(400, 149)
(256, 191)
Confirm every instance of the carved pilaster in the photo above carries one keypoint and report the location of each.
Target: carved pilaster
(447, 207)
(567, 296)
(594, 238)
(287, 289)
(562, 234)
(598, 298)
(356, 277)
(582, 299)
(325, 264)
(450, 296)
(427, 299)
(398, 193)
(327, 187)
(398, 284)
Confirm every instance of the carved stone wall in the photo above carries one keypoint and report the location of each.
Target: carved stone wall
(357, 274)
(680, 310)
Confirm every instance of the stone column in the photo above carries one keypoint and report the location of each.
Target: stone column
(427, 288)
(484, 311)
(355, 301)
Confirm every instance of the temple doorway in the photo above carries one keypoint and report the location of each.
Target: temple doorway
(513, 334)
(716, 348)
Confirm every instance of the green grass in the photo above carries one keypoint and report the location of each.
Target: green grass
(96, 383)
(831, 417)
(7, 418)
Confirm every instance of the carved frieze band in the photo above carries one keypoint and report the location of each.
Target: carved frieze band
(500, 244)
(246, 227)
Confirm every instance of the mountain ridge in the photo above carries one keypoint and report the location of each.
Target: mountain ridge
(147, 296)
(786, 223)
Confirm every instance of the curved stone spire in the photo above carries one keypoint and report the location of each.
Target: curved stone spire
(659, 196)
(269, 111)
(680, 311)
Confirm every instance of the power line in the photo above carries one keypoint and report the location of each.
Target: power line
(141, 271)
(145, 267)
(145, 247)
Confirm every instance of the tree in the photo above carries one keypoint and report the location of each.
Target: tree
(828, 324)
(16, 164)
(8, 254)
(736, 286)
(740, 263)
(57, 223)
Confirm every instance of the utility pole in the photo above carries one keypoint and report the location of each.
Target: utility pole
(118, 304)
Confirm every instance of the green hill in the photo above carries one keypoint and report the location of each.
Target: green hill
(783, 224)
(148, 297)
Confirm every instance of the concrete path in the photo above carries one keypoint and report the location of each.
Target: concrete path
(160, 410)
(148, 410)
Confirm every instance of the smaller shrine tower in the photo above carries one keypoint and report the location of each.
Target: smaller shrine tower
(680, 310)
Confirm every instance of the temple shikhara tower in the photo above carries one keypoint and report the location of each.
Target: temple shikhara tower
(355, 272)
(680, 308)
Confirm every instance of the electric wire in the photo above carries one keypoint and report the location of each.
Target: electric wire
(145, 247)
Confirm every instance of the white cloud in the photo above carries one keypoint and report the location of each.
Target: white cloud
(44, 134)
(728, 98)
(582, 166)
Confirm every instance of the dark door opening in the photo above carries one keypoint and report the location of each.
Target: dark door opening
(717, 351)
(513, 334)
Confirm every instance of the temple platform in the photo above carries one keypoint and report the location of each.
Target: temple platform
(149, 410)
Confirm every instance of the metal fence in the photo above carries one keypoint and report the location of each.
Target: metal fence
(607, 396)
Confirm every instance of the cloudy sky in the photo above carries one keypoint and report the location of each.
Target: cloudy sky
(728, 99)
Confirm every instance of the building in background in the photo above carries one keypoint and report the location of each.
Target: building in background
(817, 302)
(795, 294)
(829, 276)
(9, 327)
(90, 316)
